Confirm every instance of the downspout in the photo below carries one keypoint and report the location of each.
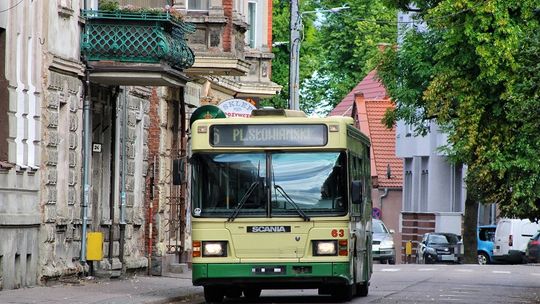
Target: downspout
(114, 115)
(385, 194)
(87, 142)
(150, 216)
(123, 177)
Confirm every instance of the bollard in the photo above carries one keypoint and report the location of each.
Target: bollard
(408, 251)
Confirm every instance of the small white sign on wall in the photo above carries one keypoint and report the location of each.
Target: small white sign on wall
(96, 148)
(236, 108)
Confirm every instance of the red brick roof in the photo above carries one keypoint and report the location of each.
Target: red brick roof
(367, 103)
(369, 86)
(383, 144)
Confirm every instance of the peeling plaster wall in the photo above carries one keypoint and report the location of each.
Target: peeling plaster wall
(61, 176)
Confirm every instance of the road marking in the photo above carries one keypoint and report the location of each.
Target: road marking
(426, 269)
(464, 270)
(501, 272)
(390, 269)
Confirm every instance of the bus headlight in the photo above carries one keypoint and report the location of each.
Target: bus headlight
(325, 247)
(214, 249)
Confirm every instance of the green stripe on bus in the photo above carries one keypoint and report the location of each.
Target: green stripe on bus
(203, 271)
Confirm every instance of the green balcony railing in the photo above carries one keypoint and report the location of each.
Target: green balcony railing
(137, 38)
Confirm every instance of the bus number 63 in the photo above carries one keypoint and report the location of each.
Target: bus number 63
(338, 233)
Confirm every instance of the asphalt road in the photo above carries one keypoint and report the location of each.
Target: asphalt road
(432, 284)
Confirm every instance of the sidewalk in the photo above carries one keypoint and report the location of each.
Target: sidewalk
(133, 289)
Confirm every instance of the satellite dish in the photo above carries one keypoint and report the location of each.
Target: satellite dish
(206, 112)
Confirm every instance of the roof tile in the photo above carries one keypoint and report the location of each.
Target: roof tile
(370, 86)
(373, 105)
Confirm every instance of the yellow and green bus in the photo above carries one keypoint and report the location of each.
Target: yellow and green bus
(280, 201)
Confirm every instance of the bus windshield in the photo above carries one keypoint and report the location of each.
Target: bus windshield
(278, 184)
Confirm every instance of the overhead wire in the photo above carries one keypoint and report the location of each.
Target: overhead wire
(10, 8)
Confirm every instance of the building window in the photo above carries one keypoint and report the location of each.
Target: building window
(407, 186)
(424, 181)
(252, 20)
(457, 184)
(197, 5)
(4, 99)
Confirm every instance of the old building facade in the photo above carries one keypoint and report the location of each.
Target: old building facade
(94, 134)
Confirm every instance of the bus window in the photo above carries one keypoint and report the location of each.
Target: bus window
(221, 181)
(314, 181)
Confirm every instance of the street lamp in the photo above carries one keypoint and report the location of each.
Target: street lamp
(294, 56)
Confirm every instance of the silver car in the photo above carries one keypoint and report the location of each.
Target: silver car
(383, 243)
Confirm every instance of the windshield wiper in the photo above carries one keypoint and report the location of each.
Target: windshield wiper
(290, 201)
(243, 201)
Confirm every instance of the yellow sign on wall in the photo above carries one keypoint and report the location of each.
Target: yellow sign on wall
(94, 246)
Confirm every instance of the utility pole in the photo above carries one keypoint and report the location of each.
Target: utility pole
(294, 56)
(294, 68)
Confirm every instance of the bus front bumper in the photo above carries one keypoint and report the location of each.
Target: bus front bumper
(272, 275)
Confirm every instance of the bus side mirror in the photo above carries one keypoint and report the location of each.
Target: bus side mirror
(356, 192)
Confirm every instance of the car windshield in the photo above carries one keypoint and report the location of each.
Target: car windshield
(378, 227)
(299, 184)
(441, 239)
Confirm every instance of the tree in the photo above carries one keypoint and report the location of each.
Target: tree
(348, 44)
(280, 63)
(471, 72)
(338, 50)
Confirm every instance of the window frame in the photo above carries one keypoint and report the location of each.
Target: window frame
(207, 2)
(253, 27)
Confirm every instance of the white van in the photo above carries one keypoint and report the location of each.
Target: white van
(511, 237)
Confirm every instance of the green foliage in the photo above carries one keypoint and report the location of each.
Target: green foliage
(280, 63)
(349, 45)
(476, 71)
(114, 6)
(337, 50)
(108, 5)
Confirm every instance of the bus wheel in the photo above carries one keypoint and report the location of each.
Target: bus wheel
(252, 293)
(362, 289)
(343, 293)
(213, 294)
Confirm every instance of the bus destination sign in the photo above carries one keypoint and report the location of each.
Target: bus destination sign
(265, 135)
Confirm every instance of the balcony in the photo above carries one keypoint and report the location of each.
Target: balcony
(218, 44)
(128, 48)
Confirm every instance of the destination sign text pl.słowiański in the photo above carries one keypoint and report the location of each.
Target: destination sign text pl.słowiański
(258, 135)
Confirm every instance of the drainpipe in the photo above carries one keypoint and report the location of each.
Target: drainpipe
(114, 115)
(385, 194)
(124, 159)
(87, 142)
(123, 177)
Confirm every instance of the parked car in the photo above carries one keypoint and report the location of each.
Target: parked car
(511, 237)
(440, 247)
(533, 249)
(485, 240)
(382, 247)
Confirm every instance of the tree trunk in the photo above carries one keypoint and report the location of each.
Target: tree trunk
(470, 224)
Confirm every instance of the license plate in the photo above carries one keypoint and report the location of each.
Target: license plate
(449, 257)
(268, 270)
